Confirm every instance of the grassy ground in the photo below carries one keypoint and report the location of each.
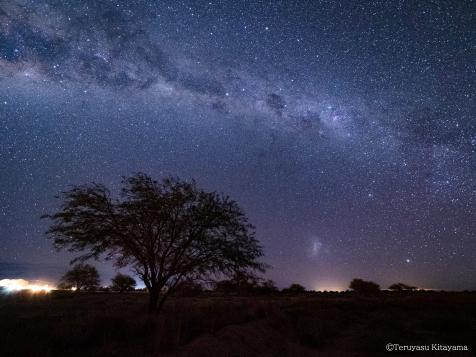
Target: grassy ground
(308, 325)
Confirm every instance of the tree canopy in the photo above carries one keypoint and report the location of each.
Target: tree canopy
(166, 231)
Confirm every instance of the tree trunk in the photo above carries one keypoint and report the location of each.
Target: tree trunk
(153, 299)
(161, 303)
(166, 294)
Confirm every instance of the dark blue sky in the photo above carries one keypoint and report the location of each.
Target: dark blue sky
(345, 129)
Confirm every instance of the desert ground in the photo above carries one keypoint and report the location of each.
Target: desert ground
(311, 324)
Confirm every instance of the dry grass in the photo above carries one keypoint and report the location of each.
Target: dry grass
(330, 324)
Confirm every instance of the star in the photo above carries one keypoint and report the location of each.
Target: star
(315, 130)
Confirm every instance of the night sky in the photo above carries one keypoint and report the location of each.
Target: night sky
(345, 129)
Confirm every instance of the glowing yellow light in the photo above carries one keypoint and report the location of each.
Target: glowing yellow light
(12, 285)
(330, 286)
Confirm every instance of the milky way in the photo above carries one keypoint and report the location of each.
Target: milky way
(345, 129)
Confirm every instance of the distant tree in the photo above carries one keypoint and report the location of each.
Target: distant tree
(165, 231)
(241, 283)
(122, 282)
(226, 286)
(401, 287)
(245, 283)
(364, 287)
(295, 289)
(188, 288)
(80, 277)
(266, 287)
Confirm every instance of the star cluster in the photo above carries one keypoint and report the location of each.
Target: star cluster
(345, 129)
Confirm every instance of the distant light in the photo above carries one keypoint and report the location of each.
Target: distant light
(407, 260)
(330, 286)
(12, 285)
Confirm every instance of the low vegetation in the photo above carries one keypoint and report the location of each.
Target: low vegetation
(212, 324)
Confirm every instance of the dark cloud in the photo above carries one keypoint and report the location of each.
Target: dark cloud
(95, 42)
(309, 122)
(21, 42)
(276, 103)
(201, 84)
(430, 126)
(220, 107)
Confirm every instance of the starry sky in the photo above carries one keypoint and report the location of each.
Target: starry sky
(345, 129)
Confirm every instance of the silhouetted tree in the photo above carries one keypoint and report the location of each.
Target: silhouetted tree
(401, 287)
(364, 287)
(123, 282)
(241, 283)
(295, 289)
(226, 286)
(80, 277)
(188, 288)
(245, 283)
(165, 231)
(266, 287)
